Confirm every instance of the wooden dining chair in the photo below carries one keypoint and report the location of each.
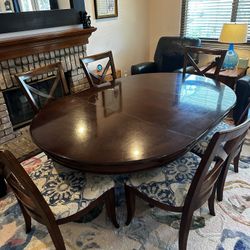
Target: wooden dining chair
(54, 195)
(97, 78)
(36, 92)
(216, 64)
(202, 144)
(188, 182)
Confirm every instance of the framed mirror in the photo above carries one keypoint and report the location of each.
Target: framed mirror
(20, 15)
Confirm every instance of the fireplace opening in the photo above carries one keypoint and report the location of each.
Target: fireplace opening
(20, 110)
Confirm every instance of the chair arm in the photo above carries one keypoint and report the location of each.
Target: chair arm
(242, 103)
(142, 68)
(189, 70)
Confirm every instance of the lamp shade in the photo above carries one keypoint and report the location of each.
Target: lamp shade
(233, 33)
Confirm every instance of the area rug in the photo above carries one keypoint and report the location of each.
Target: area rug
(151, 228)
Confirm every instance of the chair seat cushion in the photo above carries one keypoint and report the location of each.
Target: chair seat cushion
(168, 184)
(66, 190)
(201, 146)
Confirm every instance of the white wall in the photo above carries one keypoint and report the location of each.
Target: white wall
(63, 4)
(165, 20)
(127, 35)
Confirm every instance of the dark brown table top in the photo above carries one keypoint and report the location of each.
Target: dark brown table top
(142, 122)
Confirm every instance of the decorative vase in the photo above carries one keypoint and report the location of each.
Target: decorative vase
(231, 58)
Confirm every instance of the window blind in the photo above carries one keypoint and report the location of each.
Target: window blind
(204, 18)
(243, 13)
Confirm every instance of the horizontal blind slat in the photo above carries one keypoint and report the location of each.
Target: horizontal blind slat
(204, 18)
(243, 13)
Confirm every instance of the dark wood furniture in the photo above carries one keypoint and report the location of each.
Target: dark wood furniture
(201, 145)
(42, 19)
(108, 77)
(22, 148)
(98, 80)
(244, 114)
(216, 64)
(228, 77)
(33, 43)
(203, 185)
(161, 117)
(36, 97)
(242, 118)
(34, 205)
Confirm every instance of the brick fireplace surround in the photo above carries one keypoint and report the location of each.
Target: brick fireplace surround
(67, 55)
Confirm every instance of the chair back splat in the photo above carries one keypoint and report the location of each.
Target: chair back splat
(98, 80)
(217, 63)
(26, 192)
(39, 95)
(221, 148)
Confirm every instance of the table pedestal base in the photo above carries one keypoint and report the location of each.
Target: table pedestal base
(94, 213)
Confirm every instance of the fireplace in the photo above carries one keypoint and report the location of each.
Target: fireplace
(20, 111)
(24, 53)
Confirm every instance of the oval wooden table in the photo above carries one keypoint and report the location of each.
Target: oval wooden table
(141, 122)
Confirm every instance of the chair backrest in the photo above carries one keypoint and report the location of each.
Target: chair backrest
(242, 106)
(95, 78)
(244, 113)
(169, 54)
(26, 192)
(221, 149)
(216, 64)
(35, 90)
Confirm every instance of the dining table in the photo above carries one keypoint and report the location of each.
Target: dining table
(136, 123)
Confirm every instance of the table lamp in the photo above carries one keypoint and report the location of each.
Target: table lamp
(232, 33)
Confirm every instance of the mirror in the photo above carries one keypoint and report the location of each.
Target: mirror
(20, 15)
(16, 6)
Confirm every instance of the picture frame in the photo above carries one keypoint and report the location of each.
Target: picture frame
(106, 8)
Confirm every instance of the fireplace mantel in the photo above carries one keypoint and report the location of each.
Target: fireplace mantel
(23, 45)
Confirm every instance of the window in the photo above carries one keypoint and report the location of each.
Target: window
(204, 18)
(33, 5)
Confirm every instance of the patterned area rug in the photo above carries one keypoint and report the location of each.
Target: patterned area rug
(151, 228)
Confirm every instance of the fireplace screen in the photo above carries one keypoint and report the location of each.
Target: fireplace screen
(20, 110)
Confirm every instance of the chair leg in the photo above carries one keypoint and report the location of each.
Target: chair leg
(186, 220)
(26, 217)
(110, 207)
(130, 201)
(3, 187)
(211, 202)
(56, 237)
(151, 205)
(222, 179)
(236, 163)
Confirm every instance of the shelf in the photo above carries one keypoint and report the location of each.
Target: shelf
(18, 46)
